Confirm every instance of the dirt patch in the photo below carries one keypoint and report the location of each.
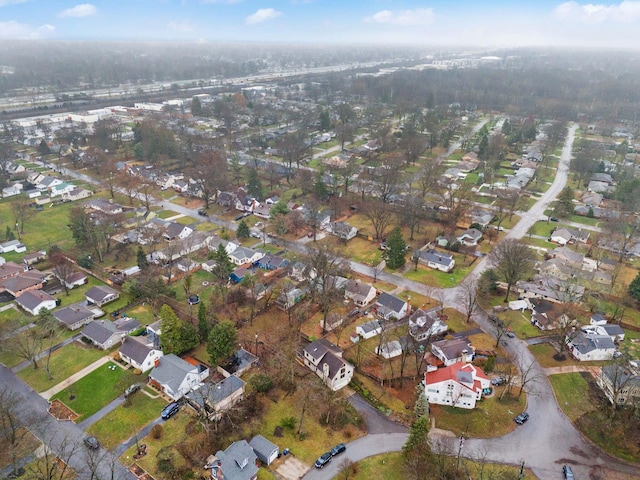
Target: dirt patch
(60, 411)
(278, 431)
(292, 468)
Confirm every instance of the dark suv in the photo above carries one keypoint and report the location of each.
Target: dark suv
(92, 443)
(323, 460)
(170, 410)
(520, 419)
(339, 448)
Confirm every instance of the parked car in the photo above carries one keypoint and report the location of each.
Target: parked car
(498, 381)
(323, 460)
(131, 389)
(354, 312)
(553, 219)
(568, 472)
(510, 334)
(522, 418)
(92, 442)
(170, 410)
(341, 447)
(202, 212)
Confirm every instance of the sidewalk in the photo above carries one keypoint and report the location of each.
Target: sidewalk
(75, 377)
(570, 369)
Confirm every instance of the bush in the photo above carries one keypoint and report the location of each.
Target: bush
(288, 422)
(261, 383)
(156, 432)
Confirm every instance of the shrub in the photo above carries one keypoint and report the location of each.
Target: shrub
(156, 432)
(261, 383)
(288, 422)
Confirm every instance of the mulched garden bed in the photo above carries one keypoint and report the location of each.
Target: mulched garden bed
(60, 411)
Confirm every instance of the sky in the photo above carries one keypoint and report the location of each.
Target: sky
(481, 23)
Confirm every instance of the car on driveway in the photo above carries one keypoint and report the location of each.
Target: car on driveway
(338, 449)
(92, 443)
(568, 472)
(498, 381)
(131, 389)
(522, 418)
(170, 410)
(323, 460)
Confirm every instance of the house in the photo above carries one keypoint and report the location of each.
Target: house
(453, 351)
(598, 318)
(425, 325)
(10, 269)
(176, 231)
(436, 260)
(569, 257)
(621, 382)
(74, 316)
(470, 237)
(237, 462)
(238, 274)
(615, 332)
(36, 301)
(175, 377)
(325, 359)
(459, 385)
(213, 242)
(390, 349)
(208, 266)
(105, 206)
(213, 399)
(369, 329)
(34, 257)
(563, 236)
(244, 255)
(13, 246)
(25, 281)
(139, 353)
(360, 293)
(74, 279)
(103, 334)
(272, 262)
(12, 190)
(77, 194)
(388, 306)
(547, 315)
(61, 189)
(550, 288)
(286, 300)
(266, 451)
(343, 230)
(587, 347)
(101, 294)
(299, 272)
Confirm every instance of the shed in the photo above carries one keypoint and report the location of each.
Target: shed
(266, 450)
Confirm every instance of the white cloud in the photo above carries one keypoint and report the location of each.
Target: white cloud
(419, 16)
(13, 29)
(262, 15)
(12, 2)
(81, 10)
(623, 12)
(185, 26)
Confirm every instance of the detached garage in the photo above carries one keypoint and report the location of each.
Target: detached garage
(265, 450)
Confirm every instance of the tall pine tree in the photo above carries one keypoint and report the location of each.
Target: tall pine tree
(396, 249)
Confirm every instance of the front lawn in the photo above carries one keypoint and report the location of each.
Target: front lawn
(97, 389)
(124, 421)
(357, 249)
(544, 354)
(572, 393)
(64, 363)
(492, 417)
(436, 278)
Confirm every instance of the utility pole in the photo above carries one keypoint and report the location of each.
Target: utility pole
(460, 444)
(521, 474)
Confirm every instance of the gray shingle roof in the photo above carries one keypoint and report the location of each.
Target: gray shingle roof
(99, 331)
(263, 447)
(171, 371)
(135, 349)
(99, 292)
(217, 392)
(238, 461)
(31, 299)
(73, 314)
(391, 302)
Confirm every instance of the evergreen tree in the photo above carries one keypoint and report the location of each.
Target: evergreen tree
(417, 451)
(196, 106)
(564, 205)
(222, 341)
(243, 230)
(421, 408)
(177, 336)
(396, 249)
(254, 186)
(279, 208)
(9, 234)
(141, 259)
(320, 187)
(223, 266)
(204, 327)
(634, 288)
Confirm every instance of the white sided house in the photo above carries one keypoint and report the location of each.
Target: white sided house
(360, 293)
(437, 260)
(458, 385)
(589, 347)
(425, 325)
(453, 351)
(175, 377)
(369, 329)
(139, 353)
(325, 359)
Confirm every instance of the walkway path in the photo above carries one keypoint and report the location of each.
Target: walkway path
(75, 377)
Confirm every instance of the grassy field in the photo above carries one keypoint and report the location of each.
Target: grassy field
(436, 278)
(96, 390)
(123, 422)
(64, 363)
(542, 228)
(544, 354)
(572, 393)
(358, 249)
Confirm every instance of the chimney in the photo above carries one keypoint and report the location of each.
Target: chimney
(156, 362)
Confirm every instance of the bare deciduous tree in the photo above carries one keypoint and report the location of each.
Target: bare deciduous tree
(512, 261)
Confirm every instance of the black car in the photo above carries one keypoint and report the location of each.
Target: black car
(202, 213)
(92, 443)
(170, 410)
(323, 460)
(520, 419)
(498, 381)
(568, 472)
(338, 449)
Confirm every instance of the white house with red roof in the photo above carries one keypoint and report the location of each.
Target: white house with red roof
(458, 385)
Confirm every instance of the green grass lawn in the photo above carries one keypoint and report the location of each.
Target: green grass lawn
(520, 323)
(64, 362)
(436, 278)
(96, 390)
(166, 214)
(123, 422)
(490, 418)
(593, 222)
(537, 242)
(544, 354)
(542, 228)
(572, 392)
(358, 249)
(77, 294)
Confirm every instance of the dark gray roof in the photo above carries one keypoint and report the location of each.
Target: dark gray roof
(318, 348)
(588, 343)
(263, 447)
(135, 349)
(238, 461)
(73, 314)
(217, 392)
(370, 326)
(390, 302)
(100, 292)
(31, 299)
(99, 331)
(171, 371)
(174, 229)
(436, 257)
(613, 329)
(621, 376)
(454, 348)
